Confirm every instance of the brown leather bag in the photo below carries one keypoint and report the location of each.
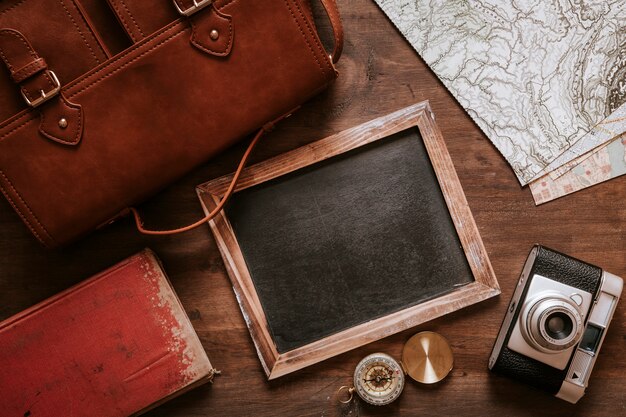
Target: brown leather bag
(94, 123)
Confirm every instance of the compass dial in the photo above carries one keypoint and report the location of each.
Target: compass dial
(378, 379)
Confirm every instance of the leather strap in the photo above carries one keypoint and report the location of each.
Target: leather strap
(330, 6)
(222, 203)
(28, 70)
(60, 120)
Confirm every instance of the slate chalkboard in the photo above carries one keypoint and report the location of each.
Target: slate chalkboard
(349, 239)
(354, 238)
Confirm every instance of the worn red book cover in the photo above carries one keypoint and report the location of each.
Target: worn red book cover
(114, 345)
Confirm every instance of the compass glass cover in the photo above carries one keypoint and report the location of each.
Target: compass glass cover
(378, 379)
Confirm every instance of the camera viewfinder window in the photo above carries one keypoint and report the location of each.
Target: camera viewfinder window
(591, 338)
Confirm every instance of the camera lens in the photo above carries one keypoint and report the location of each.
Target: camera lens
(559, 325)
(552, 323)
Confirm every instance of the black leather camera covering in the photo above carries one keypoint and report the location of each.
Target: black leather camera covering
(567, 270)
(528, 370)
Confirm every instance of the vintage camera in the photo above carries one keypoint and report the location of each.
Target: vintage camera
(555, 324)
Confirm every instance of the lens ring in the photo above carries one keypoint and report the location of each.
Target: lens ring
(572, 327)
(554, 324)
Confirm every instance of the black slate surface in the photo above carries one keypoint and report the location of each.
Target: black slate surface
(348, 240)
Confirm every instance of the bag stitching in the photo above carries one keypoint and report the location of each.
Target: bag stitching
(31, 52)
(13, 33)
(19, 212)
(72, 19)
(119, 13)
(34, 67)
(115, 70)
(12, 7)
(90, 30)
(209, 50)
(27, 93)
(25, 204)
(129, 30)
(320, 48)
(304, 35)
(31, 118)
(50, 83)
(306, 39)
(132, 18)
(79, 31)
(60, 139)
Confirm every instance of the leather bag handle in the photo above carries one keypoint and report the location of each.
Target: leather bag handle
(330, 6)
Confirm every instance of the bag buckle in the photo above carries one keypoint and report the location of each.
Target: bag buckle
(197, 5)
(44, 95)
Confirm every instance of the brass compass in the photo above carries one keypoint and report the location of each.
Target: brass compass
(379, 379)
(427, 357)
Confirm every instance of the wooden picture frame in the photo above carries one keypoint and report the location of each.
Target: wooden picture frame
(484, 286)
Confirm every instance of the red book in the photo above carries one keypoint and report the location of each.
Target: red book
(115, 345)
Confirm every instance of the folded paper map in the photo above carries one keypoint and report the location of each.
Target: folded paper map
(600, 135)
(535, 75)
(607, 163)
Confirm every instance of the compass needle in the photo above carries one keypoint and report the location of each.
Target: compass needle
(378, 379)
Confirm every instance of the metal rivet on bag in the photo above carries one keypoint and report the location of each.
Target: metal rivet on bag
(214, 34)
(63, 123)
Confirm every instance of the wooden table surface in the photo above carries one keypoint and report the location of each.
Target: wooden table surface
(380, 73)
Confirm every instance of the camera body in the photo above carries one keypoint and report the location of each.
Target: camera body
(555, 324)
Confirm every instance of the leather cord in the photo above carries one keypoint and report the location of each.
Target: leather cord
(220, 206)
(330, 6)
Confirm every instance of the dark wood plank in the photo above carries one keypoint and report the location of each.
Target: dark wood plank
(380, 73)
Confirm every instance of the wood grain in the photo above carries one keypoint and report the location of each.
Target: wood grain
(380, 73)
